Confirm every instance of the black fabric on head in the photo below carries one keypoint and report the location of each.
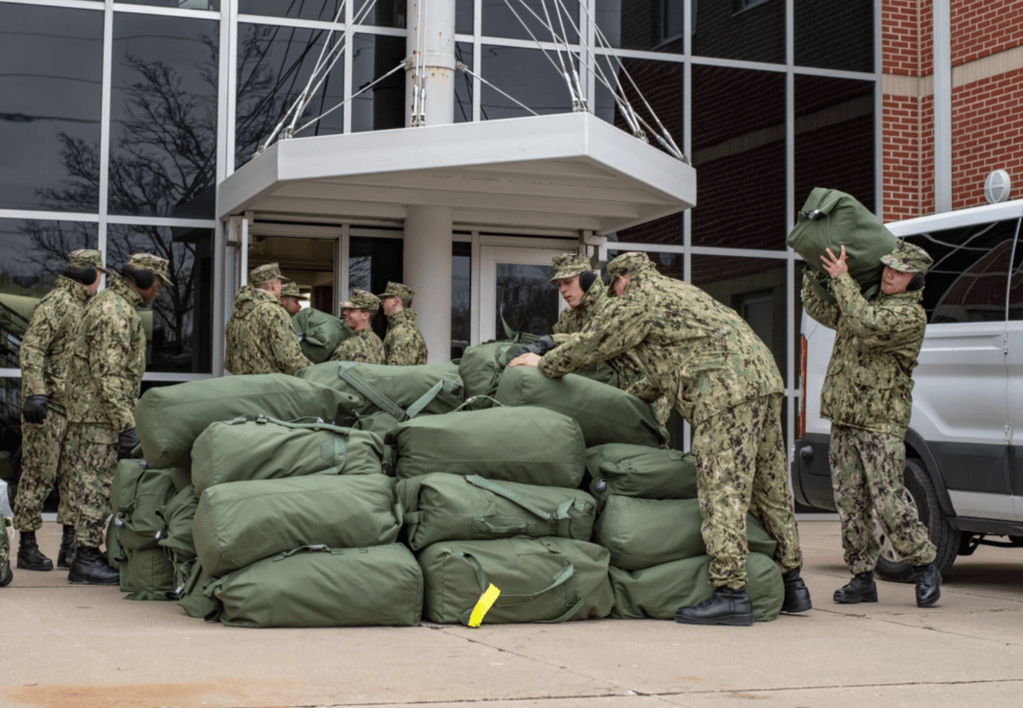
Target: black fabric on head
(142, 277)
(85, 276)
(586, 279)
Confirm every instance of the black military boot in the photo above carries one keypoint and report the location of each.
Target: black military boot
(29, 557)
(725, 606)
(861, 588)
(90, 567)
(928, 584)
(797, 595)
(67, 542)
(8, 575)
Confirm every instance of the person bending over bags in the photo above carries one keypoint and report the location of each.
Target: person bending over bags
(722, 379)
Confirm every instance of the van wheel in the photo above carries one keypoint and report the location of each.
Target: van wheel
(919, 491)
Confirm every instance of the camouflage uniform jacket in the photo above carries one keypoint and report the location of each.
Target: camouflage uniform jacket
(107, 361)
(260, 336)
(364, 346)
(404, 344)
(869, 381)
(48, 341)
(574, 319)
(695, 351)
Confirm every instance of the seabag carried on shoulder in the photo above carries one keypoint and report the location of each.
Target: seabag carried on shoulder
(319, 333)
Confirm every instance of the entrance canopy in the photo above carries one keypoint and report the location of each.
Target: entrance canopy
(565, 171)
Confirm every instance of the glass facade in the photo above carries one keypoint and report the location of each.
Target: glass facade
(762, 122)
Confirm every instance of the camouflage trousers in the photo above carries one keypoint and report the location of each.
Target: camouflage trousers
(741, 467)
(866, 474)
(42, 448)
(5, 548)
(91, 452)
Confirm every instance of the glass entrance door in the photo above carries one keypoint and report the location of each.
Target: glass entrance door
(515, 288)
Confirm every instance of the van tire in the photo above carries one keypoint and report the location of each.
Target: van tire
(919, 490)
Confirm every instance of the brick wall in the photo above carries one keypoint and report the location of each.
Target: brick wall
(987, 120)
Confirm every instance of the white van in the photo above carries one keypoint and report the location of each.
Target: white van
(964, 448)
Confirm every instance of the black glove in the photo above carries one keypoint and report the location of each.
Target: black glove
(540, 347)
(33, 410)
(126, 442)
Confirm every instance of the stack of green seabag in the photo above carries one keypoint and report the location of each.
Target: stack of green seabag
(357, 494)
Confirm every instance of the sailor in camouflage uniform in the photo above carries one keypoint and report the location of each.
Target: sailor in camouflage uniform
(44, 360)
(582, 289)
(292, 298)
(260, 336)
(722, 379)
(104, 378)
(404, 344)
(867, 397)
(364, 345)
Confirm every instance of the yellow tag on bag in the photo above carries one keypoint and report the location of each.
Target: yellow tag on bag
(483, 605)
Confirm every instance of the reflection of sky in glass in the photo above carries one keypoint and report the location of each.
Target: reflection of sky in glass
(500, 21)
(50, 81)
(163, 127)
(526, 75)
(383, 13)
(382, 106)
(274, 65)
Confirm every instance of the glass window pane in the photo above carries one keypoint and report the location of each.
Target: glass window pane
(501, 20)
(10, 428)
(384, 13)
(737, 30)
(36, 252)
(163, 128)
(528, 77)
(464, 16)
(298, 9)
(667, 231)
(179, 325)
(463, 84)
(1016, 285)
(834, 34)
(756, 288)
(50, 100)
(738, 128)
(383, 106)
(655, 25)
(660, 84)
(461, 297)
(274, 64)
(834, 137)
(525, 298)
(183, 4)
(968, 280)
(371, 263)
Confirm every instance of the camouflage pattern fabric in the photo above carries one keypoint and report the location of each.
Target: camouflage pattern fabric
(741, 466)
(260, 337)
(363, 346)
(868, 384)
(866, 475)
(107, 360)
(5, 550)
(691, 348)
(574, 319)
(91, 451)
(48, 341)
(42, 447)
(404, 344)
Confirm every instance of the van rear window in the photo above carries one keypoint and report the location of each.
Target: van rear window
(970, 275)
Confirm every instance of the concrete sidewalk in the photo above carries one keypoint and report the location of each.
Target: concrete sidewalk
(64, 646)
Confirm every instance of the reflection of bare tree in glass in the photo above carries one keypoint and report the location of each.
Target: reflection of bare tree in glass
(163, 162)
(526, 300)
